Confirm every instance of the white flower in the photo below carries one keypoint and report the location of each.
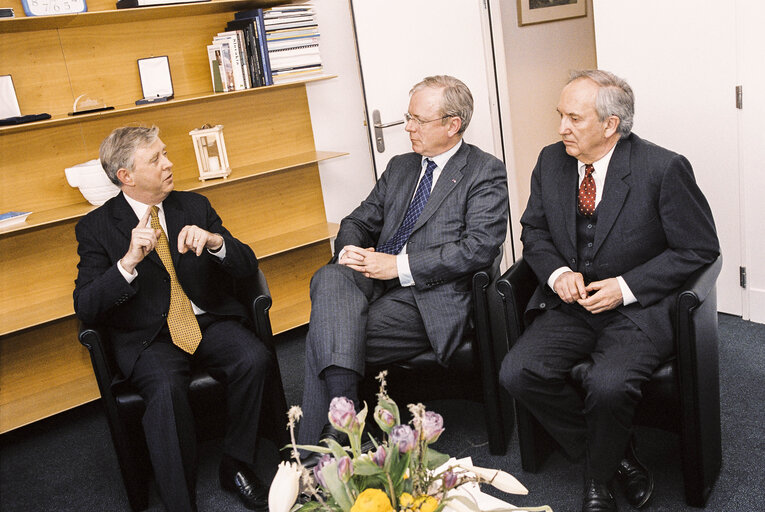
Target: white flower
(499, 479)
(284, 488)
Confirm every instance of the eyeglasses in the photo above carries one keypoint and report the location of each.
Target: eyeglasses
(409, 117)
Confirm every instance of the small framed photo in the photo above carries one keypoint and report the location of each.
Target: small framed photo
(156, 83)
(9, 104)
(540, 11)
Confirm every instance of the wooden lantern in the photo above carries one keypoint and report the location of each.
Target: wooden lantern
(211, 152)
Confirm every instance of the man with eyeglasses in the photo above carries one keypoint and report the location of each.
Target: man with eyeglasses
(399, 284)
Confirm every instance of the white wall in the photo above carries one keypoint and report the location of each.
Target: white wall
(337, 114)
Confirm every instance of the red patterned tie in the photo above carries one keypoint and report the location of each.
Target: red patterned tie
(587, 192)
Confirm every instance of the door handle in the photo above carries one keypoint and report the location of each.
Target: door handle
(378, 126)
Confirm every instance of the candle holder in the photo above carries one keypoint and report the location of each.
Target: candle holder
(211, 152)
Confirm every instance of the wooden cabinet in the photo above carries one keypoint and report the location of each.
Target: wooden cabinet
(272, 200)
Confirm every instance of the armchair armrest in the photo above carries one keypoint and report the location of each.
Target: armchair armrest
(515, 288)
(92, 337)
(254, 293)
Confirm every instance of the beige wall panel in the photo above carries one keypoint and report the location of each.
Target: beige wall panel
(113, 76)
(288, 278)
(276, 203)
(33, 164)
(39, 268)
(33, 61)
(538, 59)
(44, 371)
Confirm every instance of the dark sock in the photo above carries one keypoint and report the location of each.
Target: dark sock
(342, 382)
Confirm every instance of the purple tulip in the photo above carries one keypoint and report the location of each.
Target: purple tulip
(317, 469)
(450, 479)
(342, 413)
(378, 457)
(432, 426)
(384, 418)
(345, 468)
(404, 437)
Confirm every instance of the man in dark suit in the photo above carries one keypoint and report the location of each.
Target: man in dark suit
(399, 284)
(153, 267)
(400, 281)
(614, 225)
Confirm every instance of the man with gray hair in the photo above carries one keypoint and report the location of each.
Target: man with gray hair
(613, 226)
(399, 284)
(154, 268)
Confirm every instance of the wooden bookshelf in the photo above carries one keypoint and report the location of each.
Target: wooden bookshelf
(272, 200)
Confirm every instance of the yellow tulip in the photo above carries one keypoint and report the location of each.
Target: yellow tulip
(405, 500)
(372, 500)
(426, 504)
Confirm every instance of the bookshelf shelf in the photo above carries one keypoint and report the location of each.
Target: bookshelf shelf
(272, 200)
(178, 101)
(96, 15)
(70, 212)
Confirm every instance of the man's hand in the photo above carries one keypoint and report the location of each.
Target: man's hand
(196, 239)
(143, 239)
(604, 295)
(570, 287)
(375, 265)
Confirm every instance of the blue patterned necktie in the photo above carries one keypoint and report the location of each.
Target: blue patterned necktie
(398, 240)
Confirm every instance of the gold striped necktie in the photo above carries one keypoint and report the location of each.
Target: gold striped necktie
(184, 328)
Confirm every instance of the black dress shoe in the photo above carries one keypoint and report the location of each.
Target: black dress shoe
(634, 479)
(598, 497)
(237, 477)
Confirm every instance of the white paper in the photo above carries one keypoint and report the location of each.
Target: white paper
(9, 105)
(155, 77)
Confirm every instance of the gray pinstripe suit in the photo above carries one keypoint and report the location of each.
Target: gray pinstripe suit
(355, 319)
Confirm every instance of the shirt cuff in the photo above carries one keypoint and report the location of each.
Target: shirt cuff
(127, 275)
(221, 252)
(404, 272)
(554, 276)
(627, 296)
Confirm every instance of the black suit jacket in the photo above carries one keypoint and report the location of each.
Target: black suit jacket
(654, 228)
(135, 313)
(459, 232)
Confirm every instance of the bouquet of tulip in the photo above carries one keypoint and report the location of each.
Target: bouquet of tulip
(402, 473)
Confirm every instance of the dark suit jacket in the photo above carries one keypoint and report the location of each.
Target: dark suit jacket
(654, 228)
(459, 232)
(135, 313)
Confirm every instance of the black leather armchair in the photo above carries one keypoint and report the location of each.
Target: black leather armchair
(683, 395)
(472, 372)
(124, 406)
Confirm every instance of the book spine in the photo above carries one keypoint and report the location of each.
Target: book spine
(267, 78)
(214, 68)
(245, 59)
(236, 58)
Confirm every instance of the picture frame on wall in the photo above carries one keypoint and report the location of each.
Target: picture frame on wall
(541, 11)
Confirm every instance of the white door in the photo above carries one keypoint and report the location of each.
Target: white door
(751, 44)
(680, 59)
(402, 41)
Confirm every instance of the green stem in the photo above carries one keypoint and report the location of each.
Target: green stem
(391, 491)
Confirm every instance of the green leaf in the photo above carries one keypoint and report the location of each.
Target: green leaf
(366, 467)
(433, 459)
(310, 447)
(335, 486)
(335, 448)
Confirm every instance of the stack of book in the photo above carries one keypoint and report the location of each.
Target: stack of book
(264, 47)
(292, 36)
